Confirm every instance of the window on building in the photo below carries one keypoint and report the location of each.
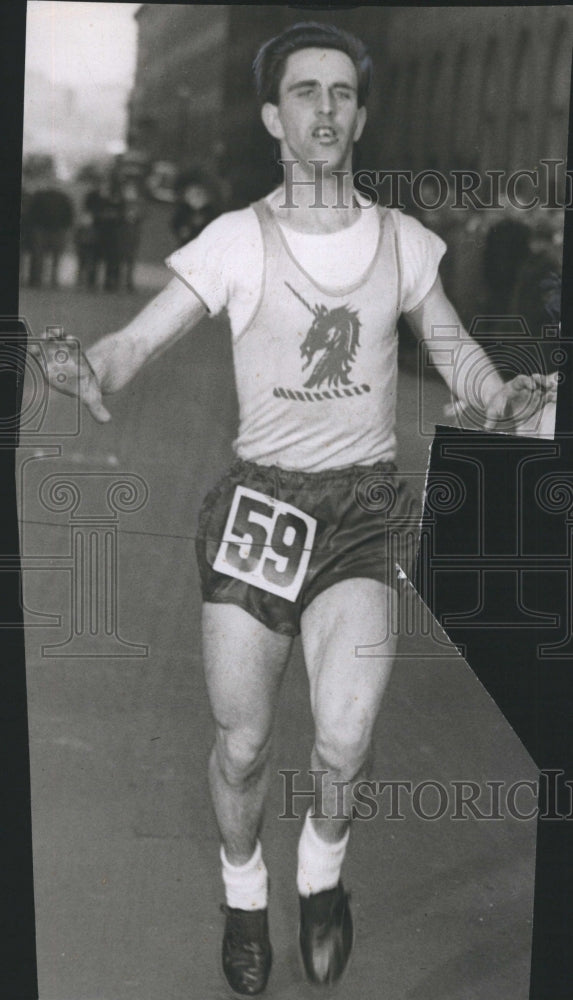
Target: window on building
(433, 130)
(392, 113)
(557, 91)
(459, 106)
(411, 114)
(441, 118)
(522, 152)
(489, 104)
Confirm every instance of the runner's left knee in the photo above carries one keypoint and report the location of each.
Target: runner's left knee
(343, 750)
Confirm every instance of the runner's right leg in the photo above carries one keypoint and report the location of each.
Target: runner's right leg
(244, 665)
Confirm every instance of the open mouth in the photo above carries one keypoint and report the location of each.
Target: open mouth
(324, 133)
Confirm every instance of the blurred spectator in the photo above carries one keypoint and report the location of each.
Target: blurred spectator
(522, 280)
(108, 234)
(38, 169)
(108, 221)
(90, 173)
(86, 251)
(49, 217)
(198, 203)
(87, 243)
(161, 181)
(130, 231)
(25, 236)
(463, 231)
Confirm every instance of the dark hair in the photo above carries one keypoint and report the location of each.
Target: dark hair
(269, 64)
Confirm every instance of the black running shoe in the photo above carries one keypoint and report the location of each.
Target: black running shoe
(325, 934)
(247, 952)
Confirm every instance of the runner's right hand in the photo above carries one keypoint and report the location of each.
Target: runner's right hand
(66, 368)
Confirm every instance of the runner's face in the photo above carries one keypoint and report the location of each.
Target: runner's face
(317, 117)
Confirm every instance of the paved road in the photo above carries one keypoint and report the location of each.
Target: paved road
(126, 866)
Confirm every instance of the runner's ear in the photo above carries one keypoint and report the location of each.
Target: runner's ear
(360, 123)
(271, 120)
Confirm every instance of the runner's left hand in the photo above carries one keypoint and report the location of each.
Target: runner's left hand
(519, 400)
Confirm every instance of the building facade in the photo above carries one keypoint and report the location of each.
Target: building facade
(454, 88)
(175, 108)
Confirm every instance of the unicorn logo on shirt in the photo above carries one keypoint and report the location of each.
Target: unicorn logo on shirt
(333, 336)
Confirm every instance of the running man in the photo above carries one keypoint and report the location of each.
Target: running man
(314, 278)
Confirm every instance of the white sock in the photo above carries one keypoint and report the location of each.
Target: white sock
(246, 886)
(319, 862)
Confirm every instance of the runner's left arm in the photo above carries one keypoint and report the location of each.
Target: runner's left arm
(113, 360)
(467, 369)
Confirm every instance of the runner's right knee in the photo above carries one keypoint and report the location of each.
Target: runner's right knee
(241, 754)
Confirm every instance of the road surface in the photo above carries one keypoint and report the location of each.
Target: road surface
(126, 849)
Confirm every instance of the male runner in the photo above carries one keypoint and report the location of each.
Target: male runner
(314, 279)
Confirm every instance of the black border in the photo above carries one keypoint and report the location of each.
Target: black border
(18, 974)
(552, 966)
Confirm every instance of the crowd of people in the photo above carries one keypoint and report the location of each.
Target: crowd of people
(198, 202)
(108, 234)
(502, 270)
(100, 219)
(46, 220)
(104, 225)
(498, 263)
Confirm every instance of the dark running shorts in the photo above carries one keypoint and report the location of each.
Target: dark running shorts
(271, 540)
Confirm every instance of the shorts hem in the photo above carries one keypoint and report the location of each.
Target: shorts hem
(281, 629)
(351, 575)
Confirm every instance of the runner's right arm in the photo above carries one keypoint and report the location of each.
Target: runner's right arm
(110, 363)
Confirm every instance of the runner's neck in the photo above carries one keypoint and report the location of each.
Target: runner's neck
(333, 215)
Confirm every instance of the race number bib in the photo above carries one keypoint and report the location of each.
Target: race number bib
(266, 543)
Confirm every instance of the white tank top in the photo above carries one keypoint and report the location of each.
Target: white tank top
(316, 367)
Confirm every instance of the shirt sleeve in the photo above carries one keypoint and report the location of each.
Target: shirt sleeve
(208, 263)
(420, 252)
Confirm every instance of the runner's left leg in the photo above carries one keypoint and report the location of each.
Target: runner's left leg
(346, 691)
